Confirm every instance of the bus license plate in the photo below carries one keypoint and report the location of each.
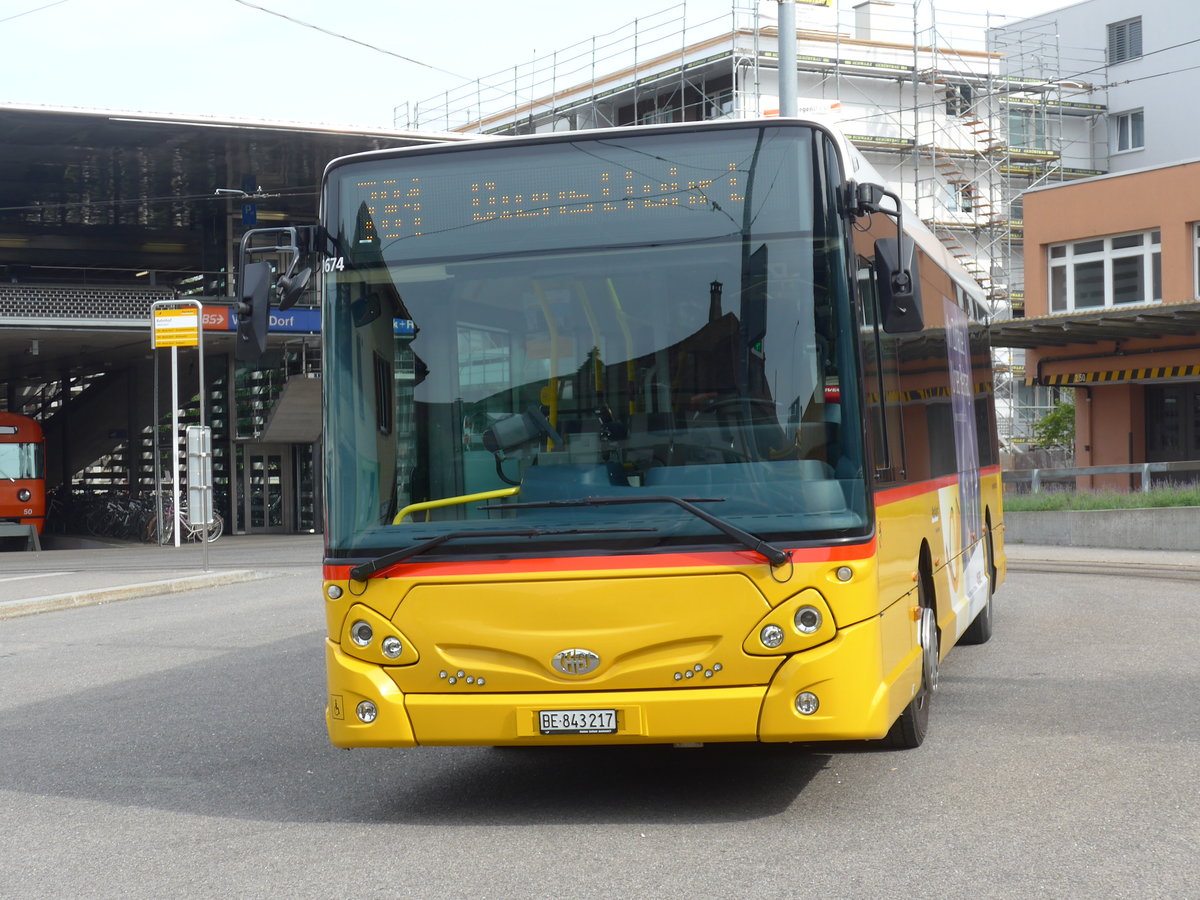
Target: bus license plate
(578, 721)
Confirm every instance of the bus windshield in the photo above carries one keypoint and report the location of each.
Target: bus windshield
(511, 331)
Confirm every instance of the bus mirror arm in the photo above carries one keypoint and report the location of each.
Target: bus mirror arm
(254, 287)
(895, 263)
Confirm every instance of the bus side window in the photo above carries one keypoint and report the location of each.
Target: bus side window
(881, 381)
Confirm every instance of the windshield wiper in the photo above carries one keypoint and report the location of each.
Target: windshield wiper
(768, 551)
(365, 570)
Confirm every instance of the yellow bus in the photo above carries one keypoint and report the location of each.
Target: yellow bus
(673, 434)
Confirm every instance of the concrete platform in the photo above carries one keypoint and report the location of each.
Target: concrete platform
(79, 571)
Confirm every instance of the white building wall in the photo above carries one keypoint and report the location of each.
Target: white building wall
(1162, 83)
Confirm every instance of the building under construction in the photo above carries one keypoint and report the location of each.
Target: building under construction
(960, 112)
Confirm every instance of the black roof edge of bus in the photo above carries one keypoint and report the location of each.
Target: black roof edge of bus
(563, 137)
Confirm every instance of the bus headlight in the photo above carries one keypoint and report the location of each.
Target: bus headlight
(807, 703)
(771, 636)
(367, 712)
(808, 620)
(361, 633)
(368, 635)
(798, 624)
(23, 495)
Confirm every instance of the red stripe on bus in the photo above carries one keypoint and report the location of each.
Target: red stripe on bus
(908, 491)
(723, 559)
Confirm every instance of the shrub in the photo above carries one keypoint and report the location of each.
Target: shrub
(1058, 499)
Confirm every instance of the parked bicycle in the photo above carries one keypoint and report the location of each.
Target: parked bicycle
(189, 531)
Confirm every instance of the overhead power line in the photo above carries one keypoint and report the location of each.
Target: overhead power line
(30, 12)
(344, 37)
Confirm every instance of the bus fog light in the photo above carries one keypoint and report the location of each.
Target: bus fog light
(808, 620)
(392, 647)
(367, 712)
(807, 703)
(361, 633)
(23, 495)
(844, 573)
(334, 592)
(771, 636)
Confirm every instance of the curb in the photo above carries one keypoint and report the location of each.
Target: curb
(12, 609)
(1171, 572)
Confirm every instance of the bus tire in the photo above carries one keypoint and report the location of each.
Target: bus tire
(980, 629)
(909, 731)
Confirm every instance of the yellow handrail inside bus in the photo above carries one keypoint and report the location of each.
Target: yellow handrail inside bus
(623, 322)
(453, 501)
(597, 365)
(551, 400)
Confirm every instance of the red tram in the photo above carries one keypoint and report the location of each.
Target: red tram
(22, 471)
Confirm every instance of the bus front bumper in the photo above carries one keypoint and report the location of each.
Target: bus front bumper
(857, 701)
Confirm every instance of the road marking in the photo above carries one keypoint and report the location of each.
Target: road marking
(37, 575)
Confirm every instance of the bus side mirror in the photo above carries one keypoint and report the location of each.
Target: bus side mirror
(253, 309)
(292, 285)
(899, 286)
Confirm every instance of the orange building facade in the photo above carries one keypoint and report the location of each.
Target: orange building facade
(1112, 277)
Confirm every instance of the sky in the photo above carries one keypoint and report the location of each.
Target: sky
(239, 59)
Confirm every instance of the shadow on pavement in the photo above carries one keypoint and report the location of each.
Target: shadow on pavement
(242, 735)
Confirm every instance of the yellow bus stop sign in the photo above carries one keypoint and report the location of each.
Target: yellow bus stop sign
(175, 328)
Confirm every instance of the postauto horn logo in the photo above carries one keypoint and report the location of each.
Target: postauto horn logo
(575, 661)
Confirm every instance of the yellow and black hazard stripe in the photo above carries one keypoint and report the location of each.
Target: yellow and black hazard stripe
(1112, 376)
(933, 393)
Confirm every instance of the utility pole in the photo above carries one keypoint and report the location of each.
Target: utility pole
(787, 57)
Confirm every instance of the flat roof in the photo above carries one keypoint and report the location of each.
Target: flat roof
(1146, 320)
(1110, 175)
(204, 121)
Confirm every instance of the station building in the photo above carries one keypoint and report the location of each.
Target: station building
(102, 213)
(1112, 280)
(1112, 262)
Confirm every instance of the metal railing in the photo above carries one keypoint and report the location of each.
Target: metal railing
(1035, 477)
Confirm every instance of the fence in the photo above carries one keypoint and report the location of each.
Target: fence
(1035, 477)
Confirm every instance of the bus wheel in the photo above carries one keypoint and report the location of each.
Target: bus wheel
(980, 629)
(909, 730)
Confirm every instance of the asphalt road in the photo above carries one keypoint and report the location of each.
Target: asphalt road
(174, 746)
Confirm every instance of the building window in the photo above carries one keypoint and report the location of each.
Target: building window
(484, 360)
(1196, 259)
(1027, 128)
(1106, 272)
(658, 116)
(1130, 131)
(935, 197)
(959, 98)
(1125, 40)
(968, 196)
